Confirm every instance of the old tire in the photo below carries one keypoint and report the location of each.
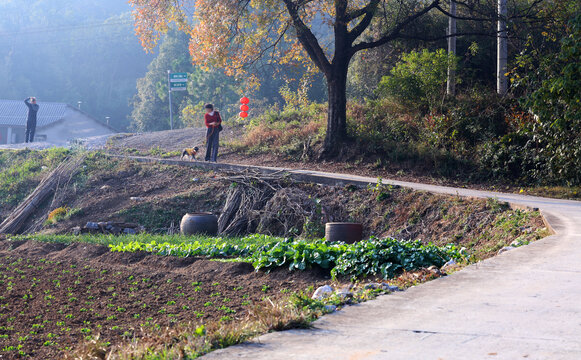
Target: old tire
(346, 232)
(199, 223)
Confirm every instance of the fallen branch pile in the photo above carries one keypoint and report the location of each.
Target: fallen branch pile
(16, 220)
(267, 204)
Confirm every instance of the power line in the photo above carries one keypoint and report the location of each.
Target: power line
(43, 30)
(69, 40)
(9, 39)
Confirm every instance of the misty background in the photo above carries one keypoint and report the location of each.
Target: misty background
(85, 51)
(71, 51)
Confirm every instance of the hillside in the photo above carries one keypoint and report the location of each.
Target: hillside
(170, 143)
(157, 196)
(112, 289)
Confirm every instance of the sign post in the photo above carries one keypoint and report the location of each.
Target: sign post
(176, 82)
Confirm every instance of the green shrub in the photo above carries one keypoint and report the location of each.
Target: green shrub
(508, 158)
(419, 79)
(557, 104)
(525, 158)
(381, 121)
(468, 120)
(545, 146)
(386, 129)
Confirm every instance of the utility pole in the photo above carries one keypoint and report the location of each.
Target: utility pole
(451, 83)
(502, 51)
(169, 91)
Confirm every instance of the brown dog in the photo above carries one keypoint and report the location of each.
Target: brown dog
(190, 152)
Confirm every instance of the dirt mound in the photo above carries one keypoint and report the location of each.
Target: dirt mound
(120, 191)
(79, 252)
(35, 249)
(157, 196)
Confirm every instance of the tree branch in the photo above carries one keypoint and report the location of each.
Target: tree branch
(360, 12)
(439, 8)
(394, 33)
(307, 38)
(526, 13)
(421, 38)
(369, 12)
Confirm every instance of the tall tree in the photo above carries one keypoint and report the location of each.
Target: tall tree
(235, 33)
(150, 104)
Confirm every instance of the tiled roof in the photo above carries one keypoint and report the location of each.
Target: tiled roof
(14, 113)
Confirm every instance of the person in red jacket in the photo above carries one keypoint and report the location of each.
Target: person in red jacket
(214, 124)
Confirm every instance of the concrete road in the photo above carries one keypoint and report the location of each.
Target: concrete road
(522, 304)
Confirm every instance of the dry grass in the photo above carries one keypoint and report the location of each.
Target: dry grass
(288, 132)
(557, 192)
(57, 214)
(188, 341)
(275, 138)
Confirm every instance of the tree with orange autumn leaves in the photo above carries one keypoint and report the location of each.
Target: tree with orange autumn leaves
(233, 34)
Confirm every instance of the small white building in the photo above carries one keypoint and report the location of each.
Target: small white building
(56, 123)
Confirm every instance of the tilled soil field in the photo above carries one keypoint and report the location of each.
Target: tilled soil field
(55, 296)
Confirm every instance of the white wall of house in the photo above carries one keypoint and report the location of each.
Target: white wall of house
(74, 125)
(11, 134)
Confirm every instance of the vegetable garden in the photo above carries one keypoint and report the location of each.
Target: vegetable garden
(108, 292)
(372, 258)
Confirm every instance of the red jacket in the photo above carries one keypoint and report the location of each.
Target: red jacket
(213, 118)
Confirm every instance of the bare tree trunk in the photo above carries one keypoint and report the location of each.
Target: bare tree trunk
(502, 52)
(451, 83)
(337, 111)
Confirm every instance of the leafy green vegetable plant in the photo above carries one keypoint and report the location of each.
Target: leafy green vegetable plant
(373, 257)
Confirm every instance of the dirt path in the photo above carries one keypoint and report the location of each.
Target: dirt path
(166, 141)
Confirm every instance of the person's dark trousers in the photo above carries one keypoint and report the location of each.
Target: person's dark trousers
(30, 130)
(212, 143)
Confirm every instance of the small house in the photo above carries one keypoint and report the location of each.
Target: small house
(57, 123)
